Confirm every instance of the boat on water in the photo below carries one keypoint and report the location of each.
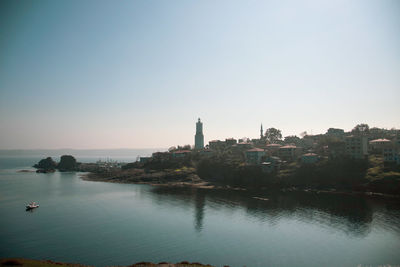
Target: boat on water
(32, 206)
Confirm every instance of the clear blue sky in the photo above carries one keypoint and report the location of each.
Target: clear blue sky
(138, 74)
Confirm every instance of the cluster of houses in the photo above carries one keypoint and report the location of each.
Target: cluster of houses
(308, 150)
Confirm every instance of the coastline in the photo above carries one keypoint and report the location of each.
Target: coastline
(156, 179)
(200, 184)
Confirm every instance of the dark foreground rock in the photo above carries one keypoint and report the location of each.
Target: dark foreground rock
(49, 263)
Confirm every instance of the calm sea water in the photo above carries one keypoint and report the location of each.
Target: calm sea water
(119, 224)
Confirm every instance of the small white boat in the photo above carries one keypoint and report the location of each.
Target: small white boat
(31, 206)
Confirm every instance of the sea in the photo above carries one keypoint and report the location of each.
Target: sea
(109, 224)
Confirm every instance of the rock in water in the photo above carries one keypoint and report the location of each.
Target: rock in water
(67, 163)
(46, 164)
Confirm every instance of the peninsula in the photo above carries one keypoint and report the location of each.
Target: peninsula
(363, 161)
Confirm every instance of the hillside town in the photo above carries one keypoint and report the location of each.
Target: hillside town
(365, 160)
(270, 151)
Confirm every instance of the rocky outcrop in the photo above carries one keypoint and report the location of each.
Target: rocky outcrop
(67, 163)
(46, 165)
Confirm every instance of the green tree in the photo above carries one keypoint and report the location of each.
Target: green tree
(185, 147)
(361, 128)
(292, 139)
(273, 135)
(302, 134)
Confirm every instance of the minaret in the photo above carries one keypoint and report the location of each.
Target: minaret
(261, 132)
(199, 137)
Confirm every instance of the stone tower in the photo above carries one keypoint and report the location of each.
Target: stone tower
(199, 137)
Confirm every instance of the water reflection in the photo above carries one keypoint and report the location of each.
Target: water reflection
(200, 201)
(352, 215)
(30, 210)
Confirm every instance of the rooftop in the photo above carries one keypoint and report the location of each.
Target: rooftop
(379, 140)
(181, 151)
(255, 150)
(310, 154)
(288, 146)
(273, 145)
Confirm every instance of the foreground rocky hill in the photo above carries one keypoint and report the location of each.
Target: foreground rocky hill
(49, 263)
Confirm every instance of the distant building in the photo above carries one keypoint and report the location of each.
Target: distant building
(273, 149)
(243, 145)
(312, 141)
(390, 154)
(161, 155)
(207, 152)
(339, 133)
(309, 158)
(271, 164)
(396, 141)
(254, 155)
(273, 159)
(215, 144)
(180, 153)
(356, 147)
(230, 141)
(256, 141)
(337, 149)
(289, 152)
(199, 137)
(267, 167)
(378, 145)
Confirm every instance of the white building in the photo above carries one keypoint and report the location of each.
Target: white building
(254, 155)
(356, 147)
(378, 145)
(390, 154)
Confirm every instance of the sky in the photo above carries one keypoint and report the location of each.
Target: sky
(138, 74)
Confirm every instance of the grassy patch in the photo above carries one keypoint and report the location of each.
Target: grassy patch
(377, 170)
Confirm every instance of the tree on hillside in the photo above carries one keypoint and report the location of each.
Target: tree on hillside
(360, 128)
(185, 147)
(292, 139)
(244, 140)
(273, 135)
(302, 134)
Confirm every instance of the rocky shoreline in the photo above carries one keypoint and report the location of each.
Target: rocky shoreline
(162, 178)
(210, 174)
(174, 178)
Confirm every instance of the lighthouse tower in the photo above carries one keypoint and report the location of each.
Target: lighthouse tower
(199, 137)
